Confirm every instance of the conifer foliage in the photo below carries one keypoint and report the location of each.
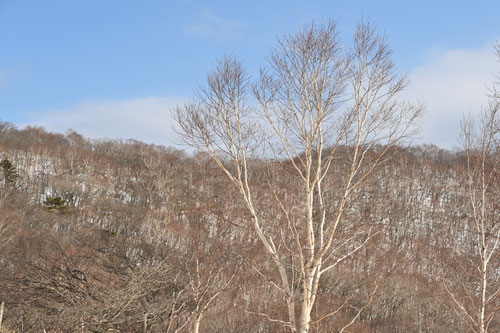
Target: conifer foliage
(9, 172)
(55, 204)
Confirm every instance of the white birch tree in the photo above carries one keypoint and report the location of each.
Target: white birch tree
(475, 291)
(318, 110)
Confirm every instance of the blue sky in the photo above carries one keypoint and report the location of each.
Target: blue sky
(111, 68)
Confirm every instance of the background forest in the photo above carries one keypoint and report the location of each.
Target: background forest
(100, 235)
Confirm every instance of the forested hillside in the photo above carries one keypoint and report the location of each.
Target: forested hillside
(121, 236)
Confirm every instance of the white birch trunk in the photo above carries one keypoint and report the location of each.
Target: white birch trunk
(196, 324)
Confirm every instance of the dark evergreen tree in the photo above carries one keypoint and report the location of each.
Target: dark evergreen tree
(9, 172)
(55, 204)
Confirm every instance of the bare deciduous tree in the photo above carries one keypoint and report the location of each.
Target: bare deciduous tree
(475, 291)
(319, 112)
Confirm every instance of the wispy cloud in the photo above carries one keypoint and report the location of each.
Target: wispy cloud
(145, 119)
(451, 82)
(211, 25)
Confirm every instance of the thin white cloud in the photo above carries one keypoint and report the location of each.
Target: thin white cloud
(145, 119)
(211, 25)
(451, 82)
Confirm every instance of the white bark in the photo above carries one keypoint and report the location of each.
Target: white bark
(313, 100)
(196, 324)
(481, 145)
(2, 305)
